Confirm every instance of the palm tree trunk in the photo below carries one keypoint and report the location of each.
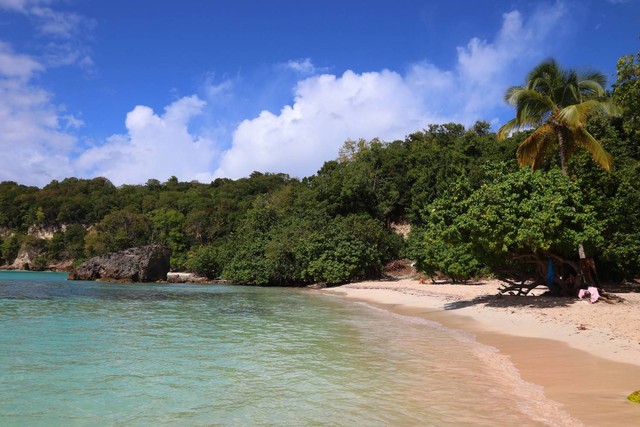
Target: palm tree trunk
(563, 157)
(584, 272)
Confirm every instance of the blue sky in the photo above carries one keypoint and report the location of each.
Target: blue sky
(134, 90)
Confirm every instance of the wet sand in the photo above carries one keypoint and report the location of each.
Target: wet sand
(586, 356)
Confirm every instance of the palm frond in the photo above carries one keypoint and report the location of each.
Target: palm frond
(543, 151)
(547, 71)
(557, 100)
(508, 128)
(511, 95)
(602, 157)
(609, 108)
(532, 107)
(570, 116)
(591, 88)
(568, 94)
(531, 151)
(595, 77)
(577, 114)
(531, 110)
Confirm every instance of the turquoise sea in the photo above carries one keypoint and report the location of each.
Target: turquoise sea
(87, 353)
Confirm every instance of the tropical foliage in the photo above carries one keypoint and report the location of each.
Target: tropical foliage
(557, 103)
(473, 211)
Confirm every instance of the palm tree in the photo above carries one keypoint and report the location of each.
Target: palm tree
(557, 103)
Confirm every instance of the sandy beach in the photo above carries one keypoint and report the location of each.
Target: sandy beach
(586, 356)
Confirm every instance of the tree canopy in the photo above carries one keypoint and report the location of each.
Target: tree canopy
(472, 210)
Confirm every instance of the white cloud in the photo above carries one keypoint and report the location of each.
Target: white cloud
(15, 5)
(15, 65)
(218, 90)
(303, 66)
(38, 144)
(37, 140)
(34, 147)
(59, 24)
(329, 109)
(485, 67)
(48, 20)
(67, 32)
(155, 146)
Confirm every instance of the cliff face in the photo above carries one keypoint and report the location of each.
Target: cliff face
(24, 260)
(142, 264)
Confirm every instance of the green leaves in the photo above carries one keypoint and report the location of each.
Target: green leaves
(526, 211)
(294, 250)
(558, 103)
(118, 231)
(473, 211)
(511, 215)
(626, 92)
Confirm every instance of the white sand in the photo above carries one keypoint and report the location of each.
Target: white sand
(586, 356)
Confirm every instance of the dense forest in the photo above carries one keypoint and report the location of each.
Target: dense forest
(473, 209)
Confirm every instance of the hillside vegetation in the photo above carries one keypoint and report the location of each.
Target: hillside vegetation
(472, 209)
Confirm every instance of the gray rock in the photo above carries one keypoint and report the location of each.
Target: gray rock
(142, 264)
(185, 277)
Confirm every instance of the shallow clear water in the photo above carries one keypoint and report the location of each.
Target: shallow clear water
(86, 353)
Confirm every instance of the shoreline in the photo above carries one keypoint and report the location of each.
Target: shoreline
(585, 356)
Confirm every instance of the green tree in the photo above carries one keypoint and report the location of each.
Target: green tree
(68, 243)
(9, 247)
(347, 248)
(204, 260)
(438, 244)
(557, 103)
(167, 229)
(118, 230)
(626, 92)
(509, 225)
(529, 216)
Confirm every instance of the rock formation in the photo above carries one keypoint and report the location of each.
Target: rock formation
(184, 277)
(26, 260)
(142, 264)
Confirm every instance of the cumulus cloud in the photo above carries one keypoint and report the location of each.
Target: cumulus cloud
(329, 109)
(326, 110)
(38, 137)
(35, 149)
(155, 146)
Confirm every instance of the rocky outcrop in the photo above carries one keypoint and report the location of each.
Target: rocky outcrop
(184, 277)
(45, 233)
(142, 264)
(65, 265)
(26, 260)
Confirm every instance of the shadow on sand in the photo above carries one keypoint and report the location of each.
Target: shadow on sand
(540, 301)
(513, 301)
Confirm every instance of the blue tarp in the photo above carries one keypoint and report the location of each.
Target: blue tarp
(550, 273)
